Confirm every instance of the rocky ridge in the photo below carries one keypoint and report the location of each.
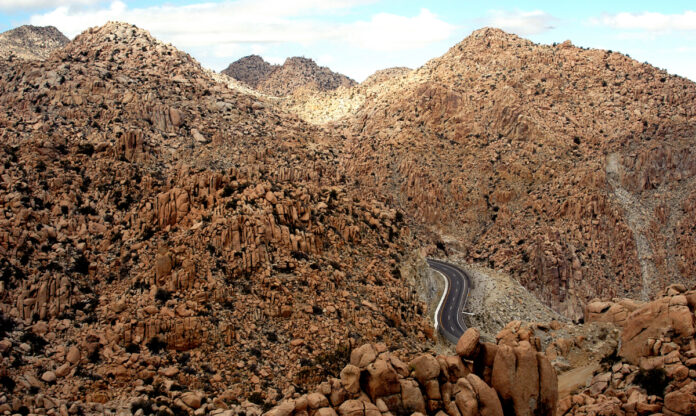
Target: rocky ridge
(296, 75)
(31, 42)
(654, 370)
(164, 235)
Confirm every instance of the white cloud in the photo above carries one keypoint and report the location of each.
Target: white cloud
(242, 21)
(649, 21)
(233, 28)
(24, 5)
(388, 32)
(521, 22)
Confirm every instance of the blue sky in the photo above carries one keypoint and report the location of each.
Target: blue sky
(357, 37)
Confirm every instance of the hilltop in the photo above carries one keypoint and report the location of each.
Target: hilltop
(296, 74)
(31, 42)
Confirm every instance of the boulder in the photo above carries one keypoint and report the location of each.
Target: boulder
(325, 411)
(488, 401)
(285, 408)
(363, 356)
(682, 401)
(465, 398)
(515, 377)
(657, 319)
(468, 343)
(411, 396)
(381, 380)
(350, 378)
(425, 367)
(73, 356)
(317, 400)
(192, 399)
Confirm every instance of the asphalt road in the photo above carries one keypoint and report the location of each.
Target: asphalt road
(448, 316)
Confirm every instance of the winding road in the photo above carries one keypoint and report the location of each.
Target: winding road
(448, 315)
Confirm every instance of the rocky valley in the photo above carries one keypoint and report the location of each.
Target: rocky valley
(176, 241)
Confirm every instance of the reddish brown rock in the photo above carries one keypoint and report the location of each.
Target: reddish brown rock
(381, 379)
(682, 401)
(654, 320)
(425, 367)
(468, 344)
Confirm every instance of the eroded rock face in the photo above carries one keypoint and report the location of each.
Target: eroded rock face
(654, 370)
(670, 316)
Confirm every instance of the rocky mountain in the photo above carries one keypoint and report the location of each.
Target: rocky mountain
(172, 243)
(164, 234)
(31, 42)
(570, 169)
(251, 70)
(295, 75)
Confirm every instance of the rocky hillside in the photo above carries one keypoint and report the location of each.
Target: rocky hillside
(162, 234)
(295, 75)
(321, 107)
(31, 42)
(571, 169)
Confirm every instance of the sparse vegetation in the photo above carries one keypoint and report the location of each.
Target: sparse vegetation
(156, 345)
(654, 381)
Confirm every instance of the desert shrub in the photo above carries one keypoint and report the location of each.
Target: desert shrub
(81, 265)
(228, 190)
(7, 325)
(256, 398)
(86, 149)
(7, 383)
(143, 404)
(36, 342)
(333, 362)
(132, 348)
(653, 381)
(156, 345)
(163, 295)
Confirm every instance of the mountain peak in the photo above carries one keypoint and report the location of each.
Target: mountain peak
(31, 42)
(296, 73)
(128, 46)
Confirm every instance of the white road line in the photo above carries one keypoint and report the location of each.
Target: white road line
(442, 299)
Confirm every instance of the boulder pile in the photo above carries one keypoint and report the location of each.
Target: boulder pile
(508, 378)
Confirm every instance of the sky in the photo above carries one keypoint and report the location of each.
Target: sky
(358, 37)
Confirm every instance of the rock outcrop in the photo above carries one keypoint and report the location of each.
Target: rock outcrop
(486, 379)
(654, 369)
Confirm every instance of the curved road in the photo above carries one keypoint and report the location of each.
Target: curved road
(448, 316)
